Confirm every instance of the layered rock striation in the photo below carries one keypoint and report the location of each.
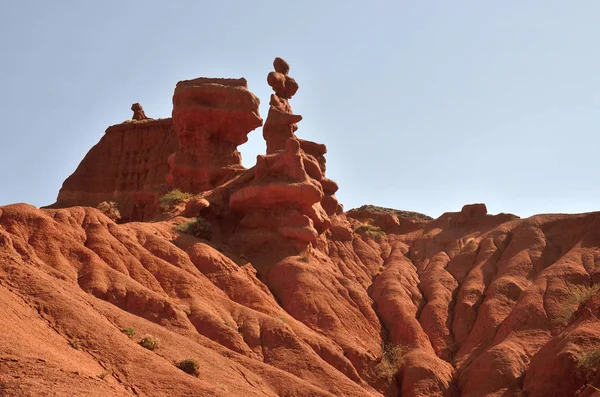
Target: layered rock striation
(281, 122)
(139, 160)
(282, 201)
(211, 118)
(128, 166)
(289, 201)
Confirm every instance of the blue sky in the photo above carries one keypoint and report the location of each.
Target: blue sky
(423, 106)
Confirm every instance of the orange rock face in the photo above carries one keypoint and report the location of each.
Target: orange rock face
(138, 112)
(289, 201)
(283, 294)
(476, 309)
(211, 118)
(281, 201)
(281, 122)
(139, 160)
(129, 166)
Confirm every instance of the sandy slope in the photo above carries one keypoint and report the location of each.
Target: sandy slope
(476, 303)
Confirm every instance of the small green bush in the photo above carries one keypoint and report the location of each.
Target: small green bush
(240, 325)
(391, 361)
(189, 366)
(76, 343)
(579, 297)
(172, 198)
(399, 213)
(110, 209)
(149, 342)
(374, 232)
(588, 363)
(197, 227)
(304, 256)
(129, 332)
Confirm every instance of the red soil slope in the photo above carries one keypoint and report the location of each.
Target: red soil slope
(473, 300)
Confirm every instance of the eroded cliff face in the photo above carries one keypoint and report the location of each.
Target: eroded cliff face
(288, 295)
(128, 165)
(141, 159)
(211, 117)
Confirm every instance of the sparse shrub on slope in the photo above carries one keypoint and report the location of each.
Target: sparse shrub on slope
(589, 363)
(400, 213)
(391, 361)
(578, 297)
(189, 366)
(197, 227)
(172, 198)
(149, 342)
(374, 232)
(129, 332)
(110, 209)
(304, 256)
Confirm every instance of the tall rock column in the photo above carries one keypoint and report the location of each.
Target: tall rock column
(211, 118)
(281, 122)
(289, 202)
(281, 126)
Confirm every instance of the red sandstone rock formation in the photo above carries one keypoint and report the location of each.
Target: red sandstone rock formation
(139, 160)
(211, 118)
(286, 299)
(138, 112)
(128, 166)
(282, 201)
(289, 201)
(281, 125)
(281, 122)
(389, 220)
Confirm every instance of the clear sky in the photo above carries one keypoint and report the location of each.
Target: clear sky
(423, 105)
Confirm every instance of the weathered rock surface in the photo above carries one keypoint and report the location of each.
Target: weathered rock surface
(281, 203)
(139, 160)
(389, 220)
(281, 121)
(477, 309)
(211, 118)
(138, 112)
(128, 165)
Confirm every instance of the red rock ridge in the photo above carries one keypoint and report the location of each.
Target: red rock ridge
(475, 304)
